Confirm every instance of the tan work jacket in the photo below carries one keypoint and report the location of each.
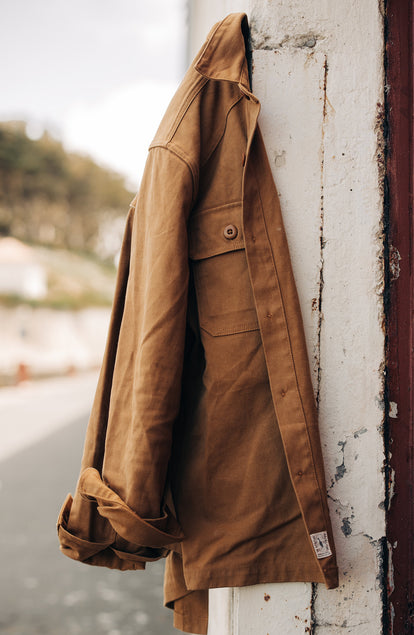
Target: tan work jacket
(203, 443)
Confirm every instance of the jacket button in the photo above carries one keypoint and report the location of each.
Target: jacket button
(230, 232)
(283, 392)
(300, 473)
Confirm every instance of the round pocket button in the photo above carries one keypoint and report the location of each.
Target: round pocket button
(230, 232)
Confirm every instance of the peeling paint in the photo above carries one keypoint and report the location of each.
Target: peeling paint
(344, 506)
(382, 555)
(391, 487)
(381, 8)
(358, 433)
(391, 585)
(394, 263)
(379, 129)
(380, 402)
(393, 410)
(279, 158)
(314, 595)
(261, 39)
(343, 624)
(306, 41)
(380, 271)
(341, 469)
(346, 526)
(391, 273)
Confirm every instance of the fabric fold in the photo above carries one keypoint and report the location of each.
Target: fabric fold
(132, 541)
(158, 532)
(74, 546)
(119, 516)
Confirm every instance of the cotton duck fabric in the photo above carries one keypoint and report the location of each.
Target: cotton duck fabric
(203, 444)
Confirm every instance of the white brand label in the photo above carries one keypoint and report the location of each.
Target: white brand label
(321, 544)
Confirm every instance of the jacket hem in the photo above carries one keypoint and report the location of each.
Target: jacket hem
(185, 622)
(198, 579)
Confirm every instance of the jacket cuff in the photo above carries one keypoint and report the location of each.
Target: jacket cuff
(148, 532)
(130, 542)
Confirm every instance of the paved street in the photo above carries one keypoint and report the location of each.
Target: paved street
(34, 409)
(41, 591)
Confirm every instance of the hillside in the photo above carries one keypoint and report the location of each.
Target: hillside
(52, 197)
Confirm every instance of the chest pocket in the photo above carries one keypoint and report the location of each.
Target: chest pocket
(217, 252)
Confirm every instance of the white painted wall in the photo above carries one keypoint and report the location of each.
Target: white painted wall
(202, 14)
(318, 72)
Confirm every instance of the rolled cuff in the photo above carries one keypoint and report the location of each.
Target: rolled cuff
(127, 542)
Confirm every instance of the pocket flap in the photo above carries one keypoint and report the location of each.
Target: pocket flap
(215, 231)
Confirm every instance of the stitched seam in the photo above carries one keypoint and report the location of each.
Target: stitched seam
(240, 327)
(241, 68)
(254, 569)
(180, 115)
(180, 154)
(208, 209)
(234, 330)
(219, 250)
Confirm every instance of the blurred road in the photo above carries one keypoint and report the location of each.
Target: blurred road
(41, 591)
(34, 409)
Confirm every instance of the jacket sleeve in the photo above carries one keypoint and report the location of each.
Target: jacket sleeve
(119, 515)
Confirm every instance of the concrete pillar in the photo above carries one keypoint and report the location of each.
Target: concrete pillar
(318, 72)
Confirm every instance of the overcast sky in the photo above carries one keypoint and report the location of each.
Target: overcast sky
(98, 74)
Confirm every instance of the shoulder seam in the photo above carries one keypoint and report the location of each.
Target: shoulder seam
(180, 154)
(191, 97)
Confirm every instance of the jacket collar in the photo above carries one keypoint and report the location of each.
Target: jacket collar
(223, 56)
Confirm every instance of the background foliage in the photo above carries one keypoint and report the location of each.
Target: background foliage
(51, 197)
